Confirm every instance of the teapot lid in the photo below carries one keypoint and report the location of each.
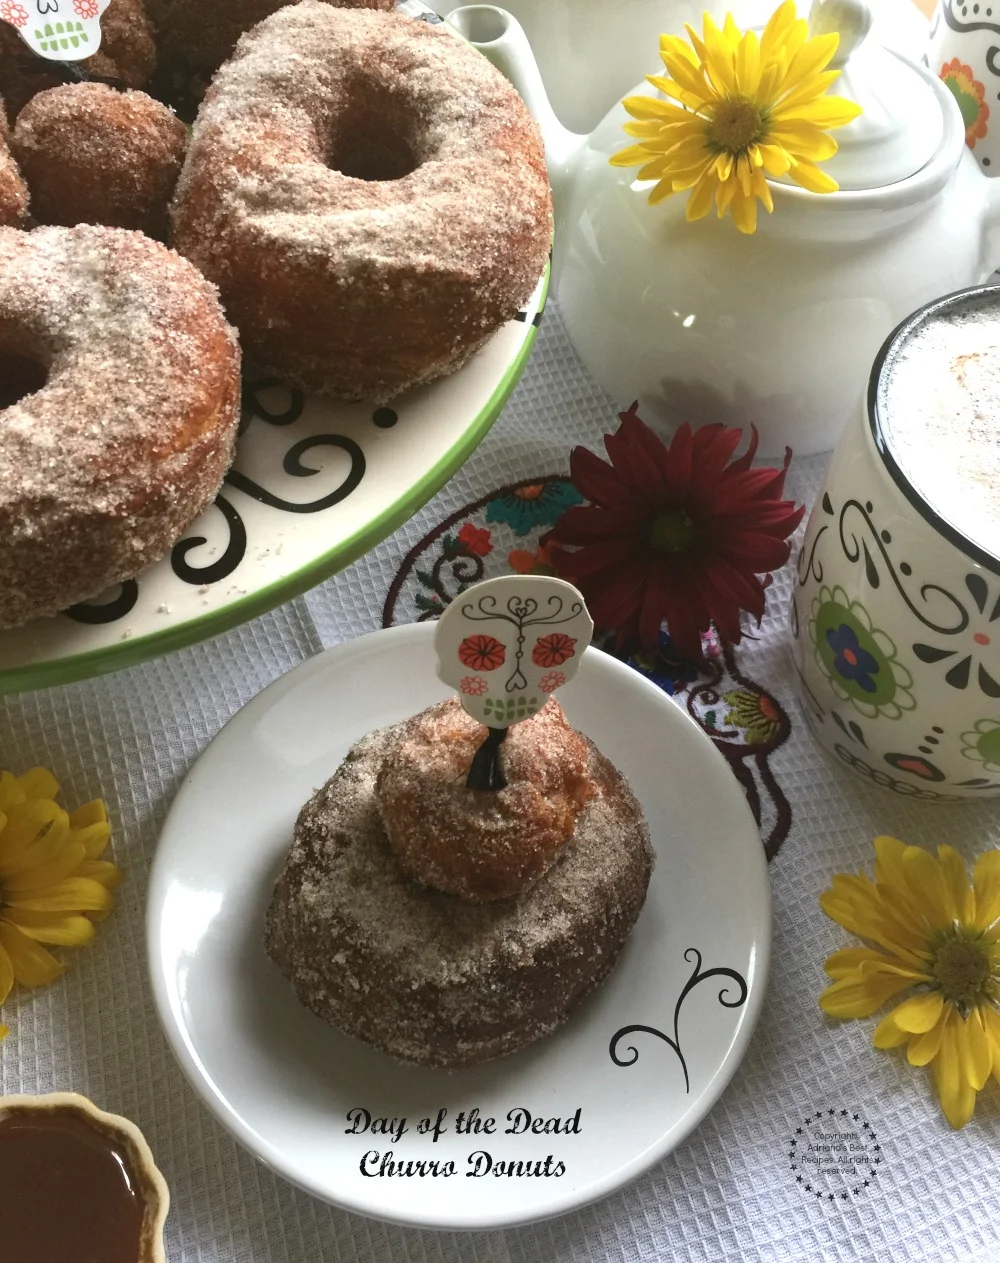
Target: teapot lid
(901, 124)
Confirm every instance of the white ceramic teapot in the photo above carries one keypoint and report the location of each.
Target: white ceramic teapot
(701, 323)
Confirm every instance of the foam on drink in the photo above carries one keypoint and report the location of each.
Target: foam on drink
(939, 411)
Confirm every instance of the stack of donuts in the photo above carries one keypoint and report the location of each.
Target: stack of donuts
(361, 195)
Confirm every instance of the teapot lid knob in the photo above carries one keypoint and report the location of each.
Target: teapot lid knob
(902, 121)
(851, 19)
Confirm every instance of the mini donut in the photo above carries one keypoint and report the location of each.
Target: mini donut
(200, 36)
(13, 191)
(477, 844)
(370, 196)
(92, 155)
(127, 55)
(435, 980)
(130, 414)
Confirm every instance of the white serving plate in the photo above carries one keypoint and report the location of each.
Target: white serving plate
(283, 1082)
(316, 484)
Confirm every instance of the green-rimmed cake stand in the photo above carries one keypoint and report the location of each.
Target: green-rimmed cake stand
(316, 483)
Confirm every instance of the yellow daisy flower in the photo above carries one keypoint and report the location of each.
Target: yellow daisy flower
(936, 938)
(739, 109)
(53, 885)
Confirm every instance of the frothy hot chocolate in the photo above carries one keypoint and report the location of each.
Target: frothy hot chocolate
(939, 413)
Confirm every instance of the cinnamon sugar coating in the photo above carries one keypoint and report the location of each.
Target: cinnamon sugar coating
(130, 416)
(476, 844)
(370, 196)
(92, 155)
(432, 979)
(13, 190)
(127, 54)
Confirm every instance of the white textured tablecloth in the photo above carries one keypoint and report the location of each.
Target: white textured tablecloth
(728, 1192)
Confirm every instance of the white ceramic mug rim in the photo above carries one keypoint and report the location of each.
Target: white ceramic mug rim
(879, 434)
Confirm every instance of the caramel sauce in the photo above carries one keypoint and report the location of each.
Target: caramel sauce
(68, 1191)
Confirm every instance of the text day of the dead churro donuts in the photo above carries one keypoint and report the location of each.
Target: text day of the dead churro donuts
(128, 378)
(92, 155)
(370, 196)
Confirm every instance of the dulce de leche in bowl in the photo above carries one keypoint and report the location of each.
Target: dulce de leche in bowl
(77, 1185)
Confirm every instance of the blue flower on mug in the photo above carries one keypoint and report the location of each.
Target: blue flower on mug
(850, 660)
(859, 660)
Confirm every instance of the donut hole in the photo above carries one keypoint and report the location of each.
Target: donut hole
(20, 376)
(372, 141)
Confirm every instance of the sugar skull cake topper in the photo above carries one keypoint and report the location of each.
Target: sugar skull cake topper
(59, 30)
(506, 645)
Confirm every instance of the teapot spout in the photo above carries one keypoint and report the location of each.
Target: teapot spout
(499, 36)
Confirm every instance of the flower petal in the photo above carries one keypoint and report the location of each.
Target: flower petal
(887, 1034)
(6, 975)
(700, 202)
(957, 1096)
(919, 1013)
(924, 1048)
(10, 792)
(26, 822)
(75, 894)
(812, 178)
(39, 783)
(958, 896)
(927, 888)
(39, 876)
(64, 931)
(986, 885)
(33, 966)
(847, 962)
(850, 997)
(991, 1021)
(103, 871)
(94, 838)
(974, 1050)
(87, 814)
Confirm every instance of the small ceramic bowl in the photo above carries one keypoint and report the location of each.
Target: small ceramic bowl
(126, 1136)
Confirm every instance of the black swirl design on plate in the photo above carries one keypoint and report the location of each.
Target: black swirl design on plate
(697, 976)
(253, 406)
(227, 563)
(855, 546)
(109, 611)
(293, 465)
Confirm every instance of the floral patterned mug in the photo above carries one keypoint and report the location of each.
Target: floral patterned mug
(964, 51)
(895, 614)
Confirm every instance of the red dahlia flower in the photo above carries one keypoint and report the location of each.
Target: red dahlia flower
(681, 534)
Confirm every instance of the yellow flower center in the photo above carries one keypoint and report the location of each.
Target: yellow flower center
(672, 532)
(735, 126)
(962, 970)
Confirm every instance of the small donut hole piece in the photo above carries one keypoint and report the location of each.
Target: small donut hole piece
(372, 139)
(20, 376)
